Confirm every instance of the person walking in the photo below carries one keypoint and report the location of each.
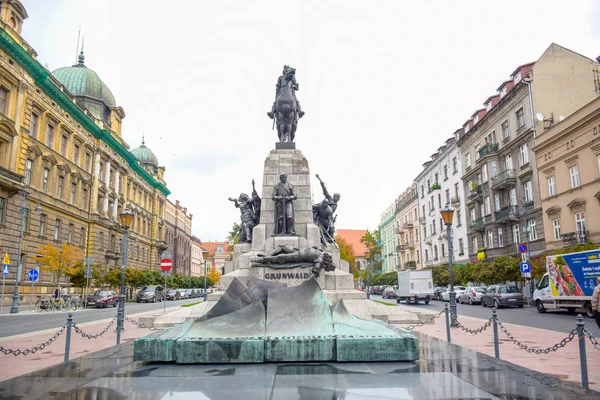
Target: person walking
(596, 302)
(57, 292)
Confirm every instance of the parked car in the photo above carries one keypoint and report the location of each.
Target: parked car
(188, 293)
(195, 294)
(457, 289)
(437, 292)
(102, 298)
(388, 293)
(502, 295)
(150, 294)
(471, 295)
(173, 294)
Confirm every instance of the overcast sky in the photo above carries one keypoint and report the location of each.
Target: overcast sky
(383, 83)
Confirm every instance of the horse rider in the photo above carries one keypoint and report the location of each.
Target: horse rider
(280, 83)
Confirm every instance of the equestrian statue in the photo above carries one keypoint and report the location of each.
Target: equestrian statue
(286, 108)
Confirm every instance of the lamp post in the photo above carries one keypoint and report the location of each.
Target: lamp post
(526, 230)
(367, 254)
(447, 215)
(204, 297)
(126, 216)
(14, 309)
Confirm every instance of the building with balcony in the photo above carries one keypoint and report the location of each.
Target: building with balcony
(568, 159)
(388, 228)
(499, 172)
(438, 186)
(407, 220)
(179, 237)
(61, 139)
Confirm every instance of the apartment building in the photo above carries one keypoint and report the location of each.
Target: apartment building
(568, 159)
(499, 169)
(179, 237)
(388, 242)
(408, 249)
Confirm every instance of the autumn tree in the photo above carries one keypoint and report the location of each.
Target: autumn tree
(77, 275)
(371, 240)
(214, 275)
(234, 236)
(347, 253)
(63, 260)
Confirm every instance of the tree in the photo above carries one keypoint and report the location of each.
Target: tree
(77, 275)
(538, 263)
(214, 276)
(113, 278)
(371, 240)
(63, 260)
(234, 236)
(347, 253)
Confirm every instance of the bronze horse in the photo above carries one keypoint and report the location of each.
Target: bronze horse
(286, 110)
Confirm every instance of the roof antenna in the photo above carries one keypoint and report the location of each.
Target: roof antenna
(81, 57)
(77, 49)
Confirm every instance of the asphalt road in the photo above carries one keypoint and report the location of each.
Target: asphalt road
(26, 321)
(554, 320)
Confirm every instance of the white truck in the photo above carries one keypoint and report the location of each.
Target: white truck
(414, 286)
(568, 282)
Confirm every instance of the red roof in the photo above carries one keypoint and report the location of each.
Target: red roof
(211, 247)
(525, 68)
(353, 236)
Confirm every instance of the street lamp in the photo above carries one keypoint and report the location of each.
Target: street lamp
(14, 309)
(367, 253)
(447, 215)
(204, 296)
(126, 216)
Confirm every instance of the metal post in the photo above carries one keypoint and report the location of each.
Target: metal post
(165, 288)
(68, 340)
(204, 297)
(121, 311)
(582, 354)
(2, 301)
(31, 296)
(368, 281)
(452, 293)
(446, 311)
(528, 251)
(14, 309)
(496, 342)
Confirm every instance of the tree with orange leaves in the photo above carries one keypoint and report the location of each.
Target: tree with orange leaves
(214, 275)
(61, 259)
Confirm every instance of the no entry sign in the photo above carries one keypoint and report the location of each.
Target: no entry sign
(166, 264)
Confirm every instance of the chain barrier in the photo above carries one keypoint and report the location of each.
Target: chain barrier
(140, 325)
(534, 350)
(97, 335)
(418, 324)
(475, 331)
(25, 352)
(592, 339)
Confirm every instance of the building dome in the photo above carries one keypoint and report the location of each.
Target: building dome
(82, 81)
(145, 156)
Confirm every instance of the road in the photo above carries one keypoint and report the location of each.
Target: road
(27, 321)
(554, 320)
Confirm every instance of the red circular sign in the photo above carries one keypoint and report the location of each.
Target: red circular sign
(166, 264)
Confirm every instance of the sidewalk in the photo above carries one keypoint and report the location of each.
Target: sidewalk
(562, 364)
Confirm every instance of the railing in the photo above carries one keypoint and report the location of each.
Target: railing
(435, 186)
(505, 179)
(401, 247)
(488, 149)
(507, 212)
(410, 245)
(580, 237)
(422, 220)
(478, 224)
(410, 265)
(408, 225)
(455, 201)
(475, 192)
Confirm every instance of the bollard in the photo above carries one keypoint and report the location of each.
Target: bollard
(68, 340)
(119, 325)
(582, 354)
(496, 342)
(447, 312)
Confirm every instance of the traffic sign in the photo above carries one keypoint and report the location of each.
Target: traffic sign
(33, 275)
(522, 248)
(6, 259)
(166, 264)
(5, 269)
(525, 267)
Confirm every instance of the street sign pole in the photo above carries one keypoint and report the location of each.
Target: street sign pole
(31, 296)
(165, 288)
(2, 301)
(166, 264)
(33, 276)
(88, 270)
(5, 271)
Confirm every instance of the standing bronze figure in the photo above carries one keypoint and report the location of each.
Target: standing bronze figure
(248, 208)
(283, 195)
(286, 108)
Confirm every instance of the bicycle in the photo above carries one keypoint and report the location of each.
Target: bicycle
(49, 304)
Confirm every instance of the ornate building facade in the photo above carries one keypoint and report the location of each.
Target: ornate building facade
(61, 147)
(179, 237)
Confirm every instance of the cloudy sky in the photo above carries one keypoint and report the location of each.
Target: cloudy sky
(383, 83)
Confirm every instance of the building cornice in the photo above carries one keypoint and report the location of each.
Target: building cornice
(43, 80)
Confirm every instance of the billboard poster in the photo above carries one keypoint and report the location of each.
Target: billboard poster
(574, 274)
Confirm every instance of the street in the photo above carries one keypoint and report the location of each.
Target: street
(559, 320)
(26, 321)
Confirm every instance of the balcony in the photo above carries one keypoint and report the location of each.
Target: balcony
(422, 220)
(572, 238)
(475, 193)
(489, 148)
(408, 225)
(507, 213)
(401, 247)
(410, 245)
(410, 265)
(429, 239)
(433, 187)
(505, 180)
(478, 224)
(455, 202)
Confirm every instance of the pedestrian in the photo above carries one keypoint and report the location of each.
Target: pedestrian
(596, 302)
(65, 293)
(57, 292)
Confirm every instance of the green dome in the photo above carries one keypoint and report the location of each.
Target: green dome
(82, 81)
(145, 155)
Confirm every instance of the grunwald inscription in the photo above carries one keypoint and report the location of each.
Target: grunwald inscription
(287, 275)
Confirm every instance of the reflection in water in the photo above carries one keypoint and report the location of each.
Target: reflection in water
(93, 393)
(221, 372)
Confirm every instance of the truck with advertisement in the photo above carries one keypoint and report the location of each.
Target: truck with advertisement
(414, 286)
(568, 282)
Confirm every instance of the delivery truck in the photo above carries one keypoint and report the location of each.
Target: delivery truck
(414, 286)
(568, 282)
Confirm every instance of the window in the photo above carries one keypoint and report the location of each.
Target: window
(447, 196)
(435, 253)
(517, 77)
(599, 162)
(527, 192)
(2, 202)
(481, 210)
(474, 247)
(580, 222)
(456, 189)
(441, 225)
(102, 172)
(33, 125)
(461, 247)
(45, 176)
(556, 228)
(84, 198)
(467, 160)
(512, 197)
(490, 239)
(487, 207)
(455, 164)
(458, 218)
(473, 216)
(82, 237)
(494, 169)
(516, 235)
(26, 221)
(113, 242)
(73, 191)
(63, 145)
(76, 154)
(508, 162)
(531, 231)
(49, 136)
(57, 230)
(445, 172)
(70, 234)
(476, 151)
(439, 200)
(505, 130)
(101, 240)
(520, 118)
(574, 171)
(551, 186)
(443, 250)
(3, 96)
(496, 202)
(436, 182)
(500, 238)
(422, 191)
(523, 155)
(59, 188)
(42, 230)
(28, 168)
(87, 161)
(484, 173)
(426, 255)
